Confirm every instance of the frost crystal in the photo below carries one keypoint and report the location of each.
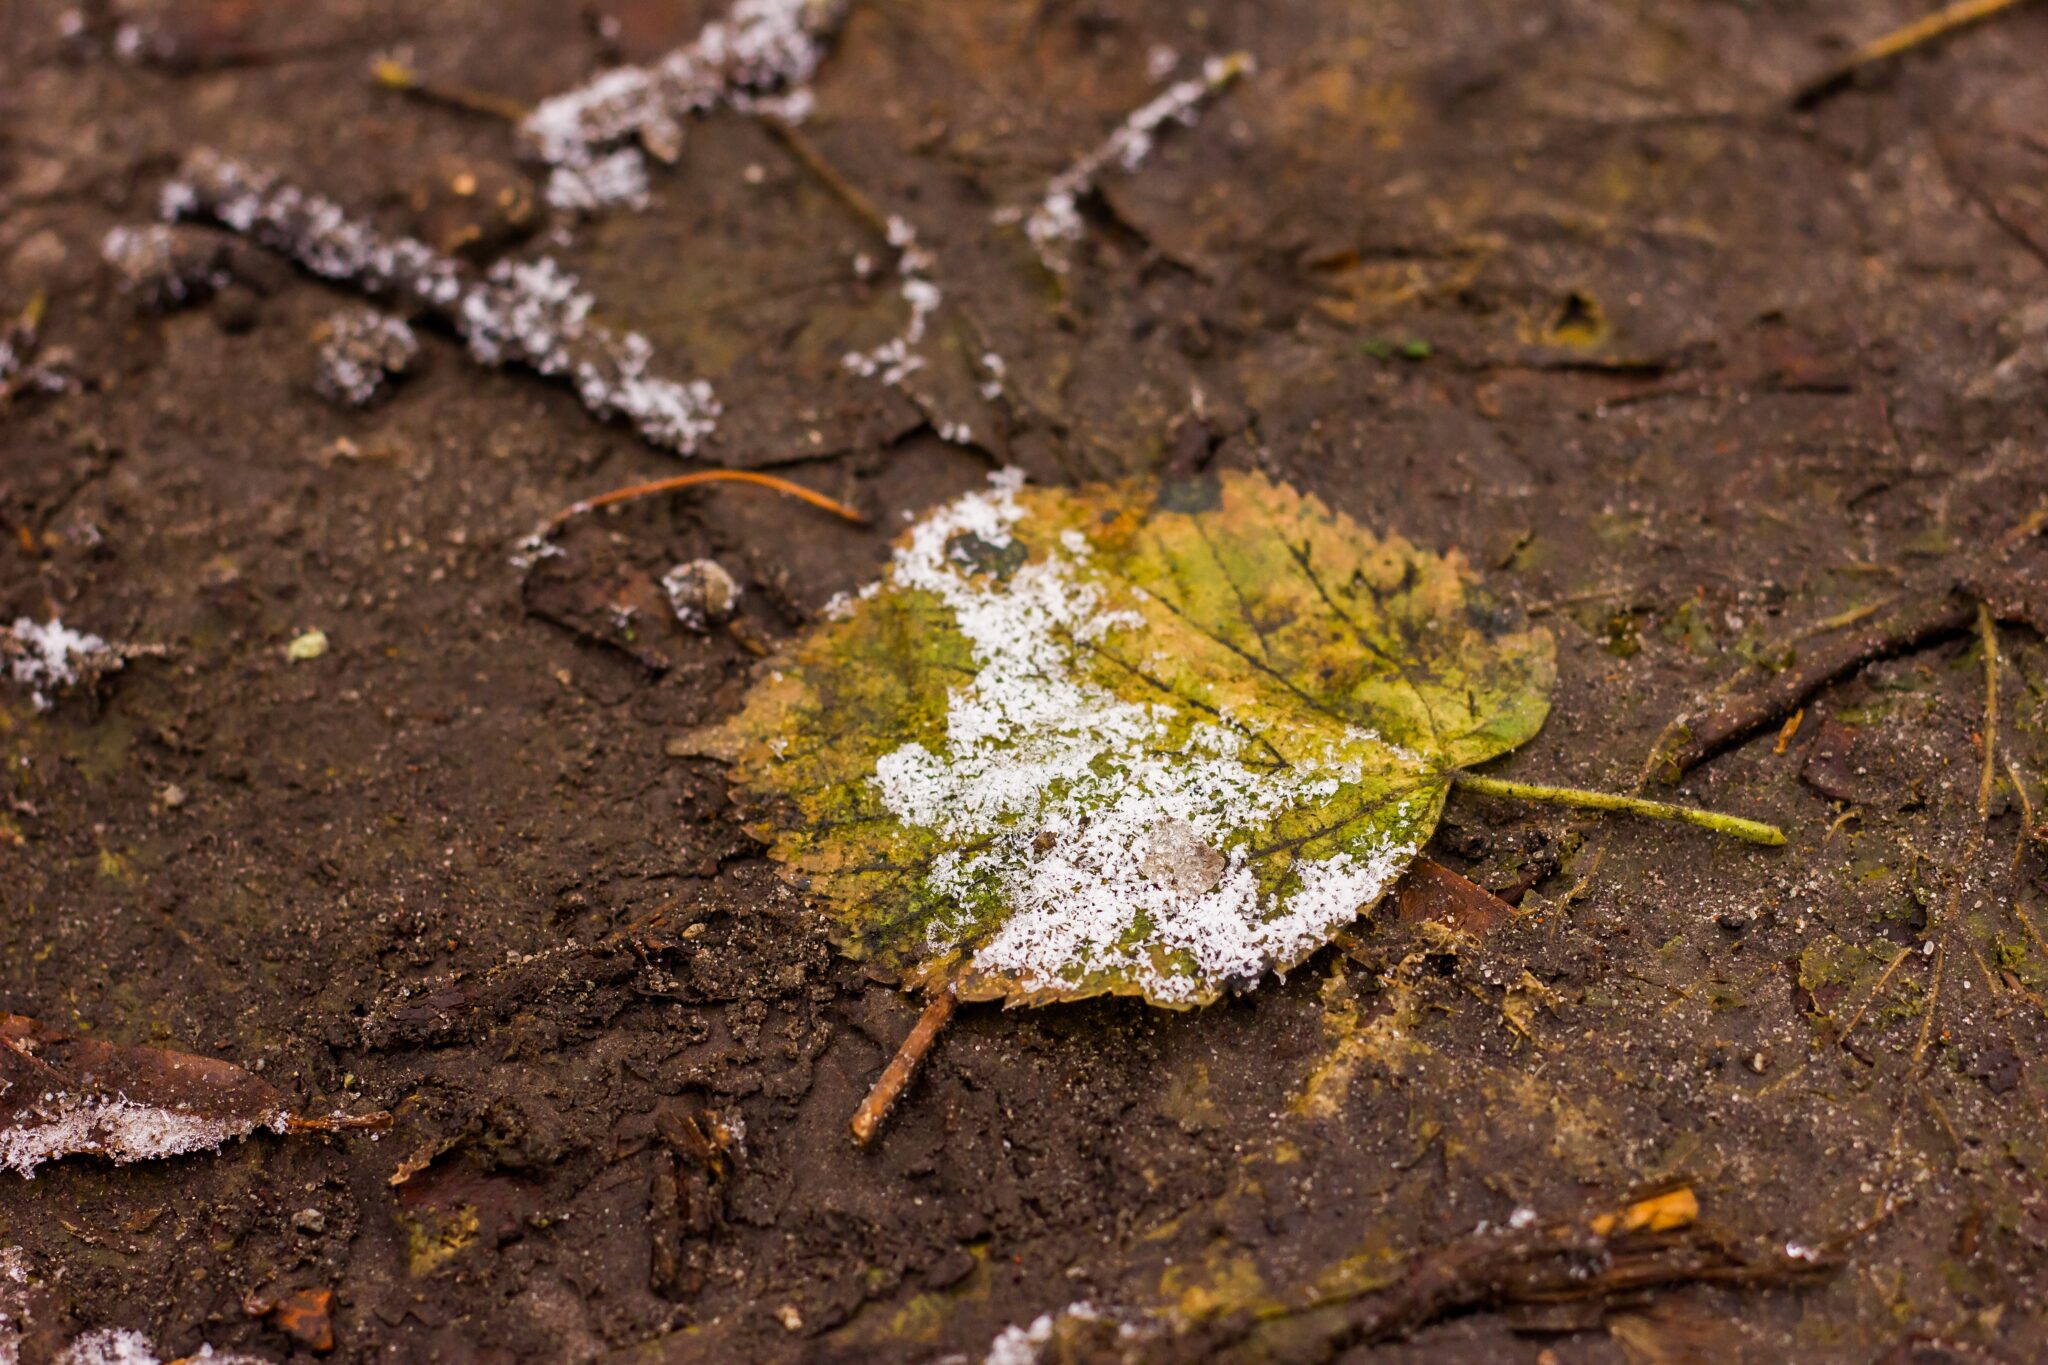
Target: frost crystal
(1083, 809)
(762, 50)
(529, 313)
(49, 658)
(1054, 224)
(119, 1346)
(59, 1125)
(1022, 1345)
(896, 359)
(362, 351)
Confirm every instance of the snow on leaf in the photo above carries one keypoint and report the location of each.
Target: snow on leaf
(62, 1096)
(1133, 739)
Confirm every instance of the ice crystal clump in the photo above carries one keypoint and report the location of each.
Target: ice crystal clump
(760, 56)
(51, 657)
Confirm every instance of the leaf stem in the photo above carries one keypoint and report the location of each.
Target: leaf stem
(1751, 831)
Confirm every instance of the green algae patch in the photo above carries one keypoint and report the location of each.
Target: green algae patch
(1138, 739)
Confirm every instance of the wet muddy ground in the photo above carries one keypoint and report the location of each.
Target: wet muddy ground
(1697, 380)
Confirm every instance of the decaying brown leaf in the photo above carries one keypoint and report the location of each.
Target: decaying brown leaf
(62, 1096)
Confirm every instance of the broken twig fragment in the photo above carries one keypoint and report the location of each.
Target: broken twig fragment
(896, 1077)
(1919, 33)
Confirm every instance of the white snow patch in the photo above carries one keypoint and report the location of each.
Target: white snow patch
(120, 1346)
(47, 658)
(1021, 1345)
(1063, 795)
(117, 1128)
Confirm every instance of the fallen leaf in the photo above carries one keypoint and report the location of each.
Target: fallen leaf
(1138, 739)
(62, 1096)
(1431, 891)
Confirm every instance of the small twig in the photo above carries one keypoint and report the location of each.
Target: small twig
(1739, 717)
(889, 1087)
(338, 1123)
(1842, 1039)
(674, 482)
(807, 154)
(1987, 629)
(1917, 34)
(1750, 831)
(393, 74)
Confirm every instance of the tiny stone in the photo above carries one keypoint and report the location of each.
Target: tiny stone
(701, 592)
(312, 1222)
(363, 349)
(308, 646)
(1759, 1063)
(790, 1319)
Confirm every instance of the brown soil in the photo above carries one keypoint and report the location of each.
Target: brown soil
(1700, 373)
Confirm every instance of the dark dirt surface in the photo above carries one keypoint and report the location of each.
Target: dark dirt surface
(1701, 376)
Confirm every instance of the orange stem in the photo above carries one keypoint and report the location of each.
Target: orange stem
(671, 484)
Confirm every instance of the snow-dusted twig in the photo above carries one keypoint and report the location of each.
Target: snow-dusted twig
(760, 56)
(1054, 223)
(530, 313)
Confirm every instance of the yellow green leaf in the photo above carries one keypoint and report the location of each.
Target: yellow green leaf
(1137, 739)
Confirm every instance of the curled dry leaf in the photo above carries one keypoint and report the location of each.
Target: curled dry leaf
(1136, 739)
(62, 1096)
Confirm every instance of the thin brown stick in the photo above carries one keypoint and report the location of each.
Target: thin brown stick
(1875, 991)
(1919, 33)
(1987, 630)
(393, 74)
(818, 164)
(1918, 623)
(338, 1123)
(889, 1087)
(674, 482)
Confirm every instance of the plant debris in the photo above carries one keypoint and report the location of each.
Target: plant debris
(64, 1096)
(530, 313)
(1054, 224)
(759, 57)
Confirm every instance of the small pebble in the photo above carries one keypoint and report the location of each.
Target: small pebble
(701, 592)
(308, 646)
